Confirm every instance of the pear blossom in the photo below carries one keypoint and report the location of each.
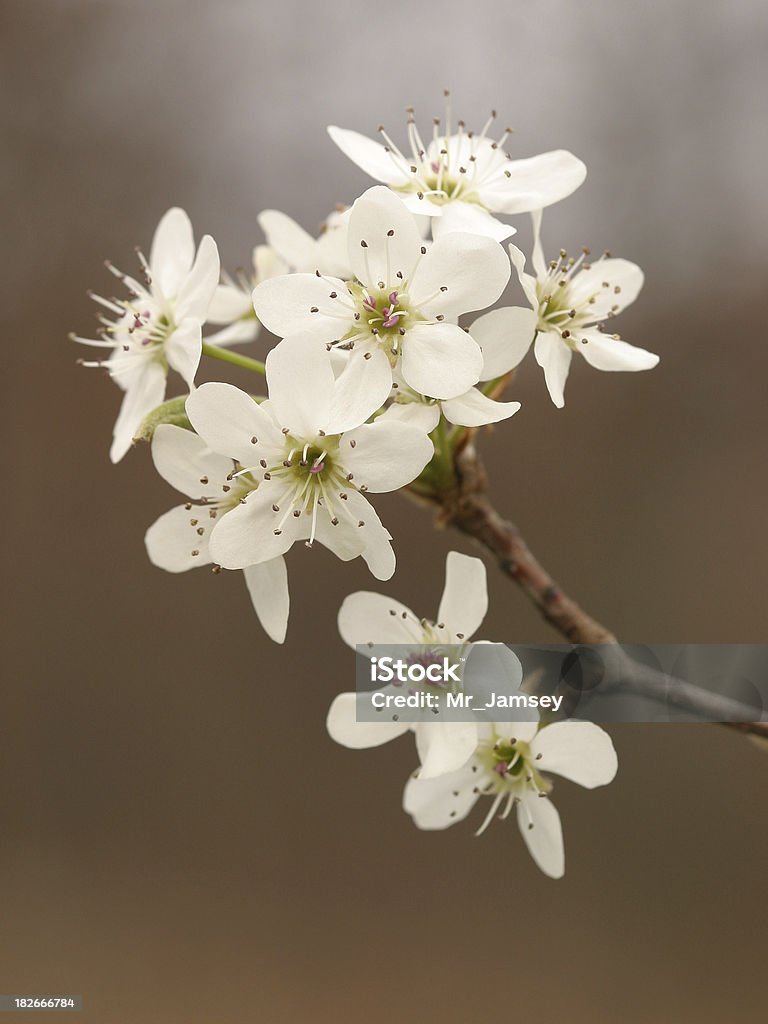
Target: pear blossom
(507, 767)
(460, 178)
(180, 539)
(570, 300)
(398, 313)
(231, 305)
(160, 325)
(367, 618)
(314, 459)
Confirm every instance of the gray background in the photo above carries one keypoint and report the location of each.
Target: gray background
(170, 847)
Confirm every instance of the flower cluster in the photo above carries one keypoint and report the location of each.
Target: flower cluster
(387, 354)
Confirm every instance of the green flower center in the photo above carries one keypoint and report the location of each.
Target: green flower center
(440, 184)
(383, 310)
(555, 307)
(511, 765)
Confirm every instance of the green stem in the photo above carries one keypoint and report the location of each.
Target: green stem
(444, 451)
(235, 358)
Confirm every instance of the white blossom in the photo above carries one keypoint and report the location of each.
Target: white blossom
(160, 325)
(399, 311)
(314, 459)
(367, 618)
(180, 539)
(570, 300)
(461, 178)
(507, 767)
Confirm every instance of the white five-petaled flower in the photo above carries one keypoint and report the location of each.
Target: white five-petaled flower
(570, 300)
(507, 767)
(461, 179)
(366, 618)
(180, 539)
(160, 325)
(399, 311)
(312, 459)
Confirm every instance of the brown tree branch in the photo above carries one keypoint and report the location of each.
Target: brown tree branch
(464, 505)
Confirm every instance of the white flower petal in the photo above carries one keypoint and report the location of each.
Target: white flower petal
(440, 360)
(237, 333)
(439, 802)
(392, 240)
(579, 751)
(385, 455)
(301, 385)
(184, 349)
(607, 353)
(228, 304)
(504, 335)
(344, 728)
(294, 245)
(342, 540)
(200, 284)
(444, 747)
(534, 183)
(540, 827)
(365, 617)
(473, 270)
(226, 418)
(470, 217)
(369, 156)
(474, 409)
(247, 534)
(377, 548)
(378, 554)
(423, 208)
(184, 460)
(145, 393)
(465, 594)
(332, 248)
(363, 387)
(527, 281)
(171, 539)
(554, 357)
(284, 305)
(268, 263)
(537, 256)
(613, 283)
(268, 586)
(172, 252)
(424, 415)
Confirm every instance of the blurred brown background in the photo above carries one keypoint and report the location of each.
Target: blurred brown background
(179, 839)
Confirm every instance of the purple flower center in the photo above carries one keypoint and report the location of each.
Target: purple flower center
(388, 312)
